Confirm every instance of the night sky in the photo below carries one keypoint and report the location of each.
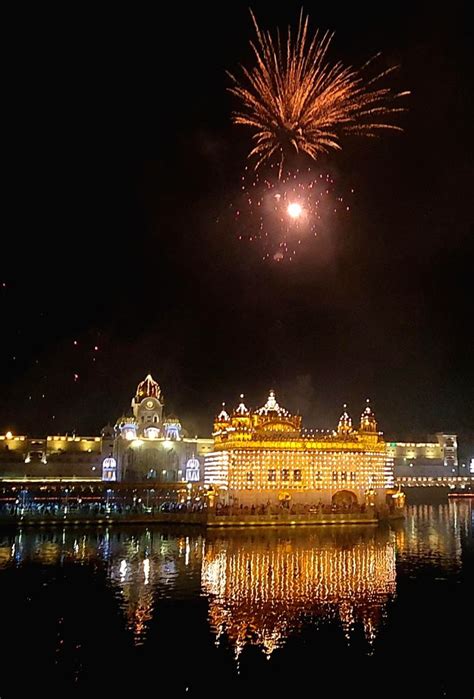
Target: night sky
(120, 238)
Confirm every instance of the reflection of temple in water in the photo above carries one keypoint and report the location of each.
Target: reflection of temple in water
(263, 586)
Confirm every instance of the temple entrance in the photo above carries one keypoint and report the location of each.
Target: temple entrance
(344, 498)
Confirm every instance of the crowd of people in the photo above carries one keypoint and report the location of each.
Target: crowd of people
(288, 508)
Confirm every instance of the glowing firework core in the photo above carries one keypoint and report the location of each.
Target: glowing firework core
(281, 214)
(294, 210)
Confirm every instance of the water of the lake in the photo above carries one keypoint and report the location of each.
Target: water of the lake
(332, 612)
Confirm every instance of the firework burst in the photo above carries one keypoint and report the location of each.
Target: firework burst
(296, 102)
(280, 216)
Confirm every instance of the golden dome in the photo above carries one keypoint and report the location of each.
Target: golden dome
(148, 388)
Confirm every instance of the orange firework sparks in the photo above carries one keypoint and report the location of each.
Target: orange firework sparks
(296, 102)
(282, 215)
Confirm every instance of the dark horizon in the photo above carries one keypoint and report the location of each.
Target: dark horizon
(136, 257)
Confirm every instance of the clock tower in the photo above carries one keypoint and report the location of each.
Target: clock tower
(147, 406)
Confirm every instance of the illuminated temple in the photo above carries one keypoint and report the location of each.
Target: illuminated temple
(264, 457)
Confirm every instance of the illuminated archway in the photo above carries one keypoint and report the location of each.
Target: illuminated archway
(344, 498)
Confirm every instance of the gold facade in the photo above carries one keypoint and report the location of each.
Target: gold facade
(264, 456)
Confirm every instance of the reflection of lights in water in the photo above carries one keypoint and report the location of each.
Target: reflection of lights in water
(187, 551)
(269, 585)
(262, 590)
(430, 531)
(123, 569)
(48, 552)
(169, 568)
(146, 570)
(6, 554)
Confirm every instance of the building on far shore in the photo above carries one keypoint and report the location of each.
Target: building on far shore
(54, 456)
(264, 457)
(144, 446)
(433, 459)
(152, 446)
(252, 454)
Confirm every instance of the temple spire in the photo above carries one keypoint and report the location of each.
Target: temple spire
(271, 406)
(242, 408)
(148, 388)
(344, 426)
(368, 423)
(223, 415)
